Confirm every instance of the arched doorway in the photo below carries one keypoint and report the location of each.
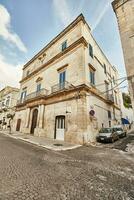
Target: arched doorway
(18, 125)
(59, 127)
(34, 120)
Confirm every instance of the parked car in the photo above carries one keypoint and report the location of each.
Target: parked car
(107, 135)
(121, 133)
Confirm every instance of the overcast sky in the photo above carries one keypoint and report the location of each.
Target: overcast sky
(26, 26)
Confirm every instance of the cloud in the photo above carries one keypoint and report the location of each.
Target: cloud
(5, 29)
(9, 74)
(61, 9)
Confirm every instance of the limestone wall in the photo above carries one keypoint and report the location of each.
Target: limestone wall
(125, 17)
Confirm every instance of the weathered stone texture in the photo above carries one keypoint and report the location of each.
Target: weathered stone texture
(125, 15)
(72, 102)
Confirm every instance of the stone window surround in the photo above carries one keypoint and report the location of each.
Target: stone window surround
(92, 70)
(63, 68)
(68, 49)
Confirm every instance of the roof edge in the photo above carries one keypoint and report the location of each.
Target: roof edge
(55, 39)
(117, 3)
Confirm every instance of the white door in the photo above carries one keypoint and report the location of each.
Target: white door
(60, 127)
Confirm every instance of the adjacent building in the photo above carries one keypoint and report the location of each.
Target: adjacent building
(69, 89)
(8, 100)
(127, 114)
(124, 10)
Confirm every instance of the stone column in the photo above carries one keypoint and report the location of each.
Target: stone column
(27, 118)
(40, 116)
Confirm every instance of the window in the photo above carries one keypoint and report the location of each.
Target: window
(109, 114)
(28, 72)
(113, 80)
(92, 77)
(62, 78)
(105, 69)
(64, 45)
(107, 89)
(38, 87)
(90, 50)
(7, 101)
(23, 95)
(109, 123)
(116, 101)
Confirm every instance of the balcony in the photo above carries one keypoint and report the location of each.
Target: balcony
(20, 101)
(61, 86)
(41, 93)
(110, 98)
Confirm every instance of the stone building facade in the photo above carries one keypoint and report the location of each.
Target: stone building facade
(65, 91)
(124, 10)
(8, 100)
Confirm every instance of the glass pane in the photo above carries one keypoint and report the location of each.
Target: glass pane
(58, 122)
(62, 123)
(93, 76)
(60, 78)
(64, 76)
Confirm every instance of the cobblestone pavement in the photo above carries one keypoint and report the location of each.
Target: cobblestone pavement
(86, 173)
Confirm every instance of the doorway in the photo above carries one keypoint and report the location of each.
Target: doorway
(18, 125)
(59, 127)
(34, 120)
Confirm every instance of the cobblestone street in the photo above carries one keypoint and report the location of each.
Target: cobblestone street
(96, 173)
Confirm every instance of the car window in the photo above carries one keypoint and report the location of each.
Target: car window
(118, 129)
(105, 130)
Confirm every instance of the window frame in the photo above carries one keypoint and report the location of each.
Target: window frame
(92, 75)
(38, 87)
(90, 47)
(62, 77)
(64, 45)
(105, 68)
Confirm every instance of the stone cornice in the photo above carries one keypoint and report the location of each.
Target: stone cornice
(60, 35)
(59, 55)
(54, 97)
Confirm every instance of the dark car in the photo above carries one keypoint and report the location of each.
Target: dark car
(121, 133)
(107, 135)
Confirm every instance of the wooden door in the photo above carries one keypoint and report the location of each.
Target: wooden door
(34, 121)
(18, 125)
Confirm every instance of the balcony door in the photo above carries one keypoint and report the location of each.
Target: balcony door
(62, 79)
(59, 127)
(34, 121)
(107, 89)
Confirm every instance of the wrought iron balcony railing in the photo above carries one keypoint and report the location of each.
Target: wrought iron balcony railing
(20, 101)
(61, 86)
(42, 92)
(110, 98)
(107, 96)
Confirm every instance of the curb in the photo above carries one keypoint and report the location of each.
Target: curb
(40, 145)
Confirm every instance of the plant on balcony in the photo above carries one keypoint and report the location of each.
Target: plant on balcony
(126, 100)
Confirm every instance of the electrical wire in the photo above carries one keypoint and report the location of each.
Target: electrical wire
(125, 78)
